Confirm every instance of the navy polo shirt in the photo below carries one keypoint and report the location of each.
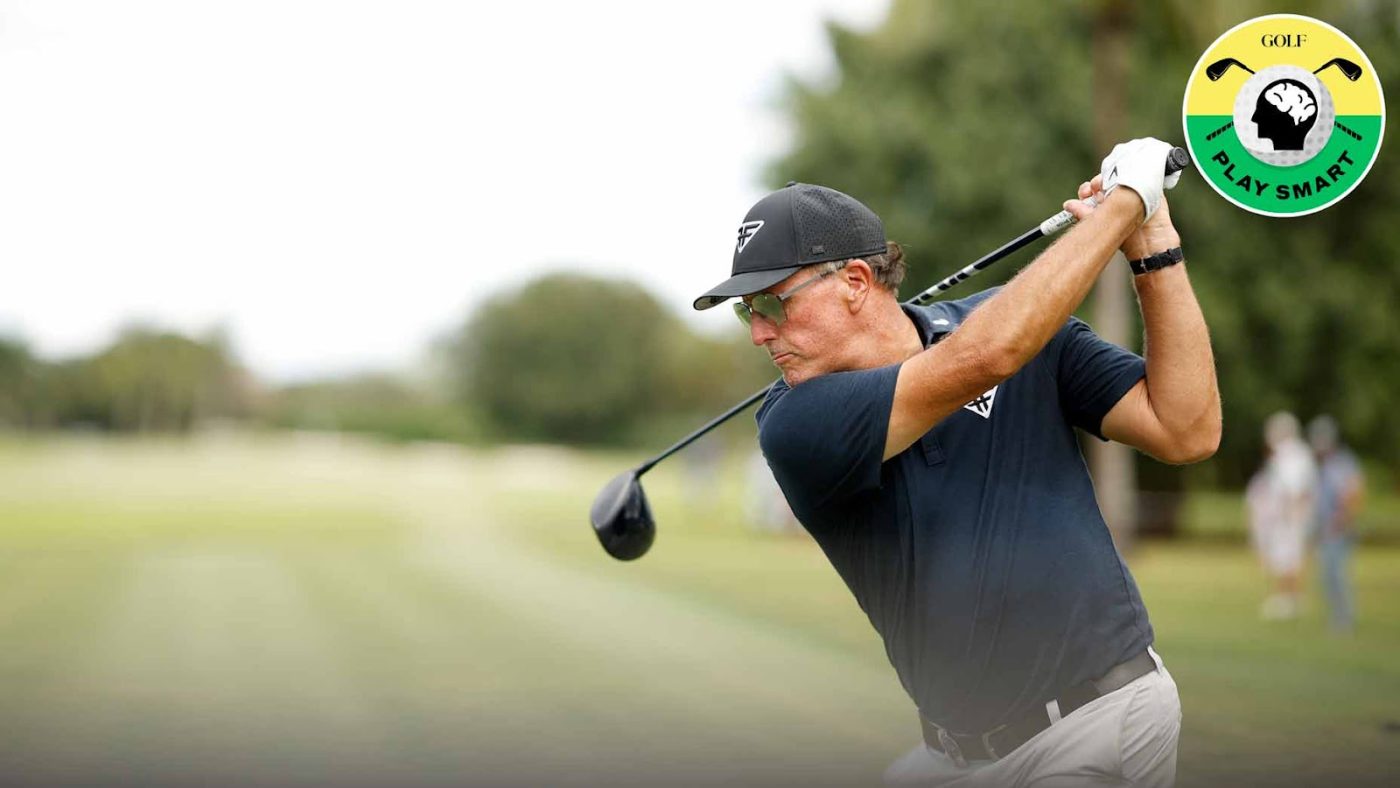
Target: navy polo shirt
(979, 553)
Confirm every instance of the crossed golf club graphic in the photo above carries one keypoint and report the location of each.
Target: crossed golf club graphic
(1217, 70)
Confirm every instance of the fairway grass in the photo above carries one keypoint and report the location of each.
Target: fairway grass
(299, 610)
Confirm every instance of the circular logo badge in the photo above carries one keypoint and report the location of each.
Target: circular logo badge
(1284, 115)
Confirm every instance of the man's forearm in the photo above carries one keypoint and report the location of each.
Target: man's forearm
(1181, 382)
(1024, 316)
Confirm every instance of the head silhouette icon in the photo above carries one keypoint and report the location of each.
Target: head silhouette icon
(1285, 113)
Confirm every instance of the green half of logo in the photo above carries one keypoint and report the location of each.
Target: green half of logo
(1283, 190)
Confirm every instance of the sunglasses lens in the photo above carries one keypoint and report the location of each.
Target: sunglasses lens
(770, 306)
(742, 310)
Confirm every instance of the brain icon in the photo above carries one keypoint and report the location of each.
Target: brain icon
(1292, 100)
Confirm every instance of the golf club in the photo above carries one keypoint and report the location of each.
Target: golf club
(1217, 69)
(621, 516)
(1346, 130)
(1219, 131)
(1349, 69)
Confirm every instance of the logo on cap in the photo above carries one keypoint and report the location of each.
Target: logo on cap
(747, 231)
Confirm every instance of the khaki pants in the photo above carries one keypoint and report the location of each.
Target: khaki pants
(1125, 737)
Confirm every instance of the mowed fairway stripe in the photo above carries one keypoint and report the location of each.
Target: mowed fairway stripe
(50, 607)
(681, 677)
(213, 666)
(445, 670)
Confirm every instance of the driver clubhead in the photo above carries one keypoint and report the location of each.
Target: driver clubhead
(622, 519)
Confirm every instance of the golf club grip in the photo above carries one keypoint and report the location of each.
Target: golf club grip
(1177, 160)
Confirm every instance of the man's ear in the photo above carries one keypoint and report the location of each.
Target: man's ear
(859, 279)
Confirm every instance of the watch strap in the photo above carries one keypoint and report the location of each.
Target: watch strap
(1157, 261)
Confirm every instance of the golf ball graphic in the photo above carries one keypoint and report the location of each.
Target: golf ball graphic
(1284, 115)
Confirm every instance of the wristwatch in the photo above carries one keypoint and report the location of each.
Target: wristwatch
(1157, 261)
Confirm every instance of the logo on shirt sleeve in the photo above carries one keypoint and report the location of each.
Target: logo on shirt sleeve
(982, 406)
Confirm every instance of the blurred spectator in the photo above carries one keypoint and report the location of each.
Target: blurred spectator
(1280, 500)
(1340, 487)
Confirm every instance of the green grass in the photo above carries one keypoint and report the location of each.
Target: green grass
(308, 609)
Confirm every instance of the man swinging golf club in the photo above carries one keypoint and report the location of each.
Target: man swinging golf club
(931, 453)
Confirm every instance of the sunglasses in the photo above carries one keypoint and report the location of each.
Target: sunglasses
(770, 305)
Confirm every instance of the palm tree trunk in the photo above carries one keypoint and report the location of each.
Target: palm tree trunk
(1112, 464)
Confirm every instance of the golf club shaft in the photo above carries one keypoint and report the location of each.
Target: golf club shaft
(1050, 226)
(976, 268)
(696, 435)
(1178, 160)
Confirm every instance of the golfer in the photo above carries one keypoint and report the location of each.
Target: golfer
(932, 454)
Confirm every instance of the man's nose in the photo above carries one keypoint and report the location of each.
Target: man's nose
(761, 329)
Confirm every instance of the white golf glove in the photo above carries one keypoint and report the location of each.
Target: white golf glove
(1140, 165)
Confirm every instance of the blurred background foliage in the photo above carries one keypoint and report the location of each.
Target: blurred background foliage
(566, 358)
(378, 404)
(578, 359)
(145, 381)
(961, 128)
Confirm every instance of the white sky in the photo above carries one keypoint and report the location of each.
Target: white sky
(336, 183)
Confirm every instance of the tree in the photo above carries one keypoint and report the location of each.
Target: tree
(580, 359)
(566, 358)
(151, 380)
(18, 379)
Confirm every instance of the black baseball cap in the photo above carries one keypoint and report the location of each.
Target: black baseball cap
(799, 224)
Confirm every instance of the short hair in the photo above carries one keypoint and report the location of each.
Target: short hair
(1323, 433)
(1280, 427)
(889, 267)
